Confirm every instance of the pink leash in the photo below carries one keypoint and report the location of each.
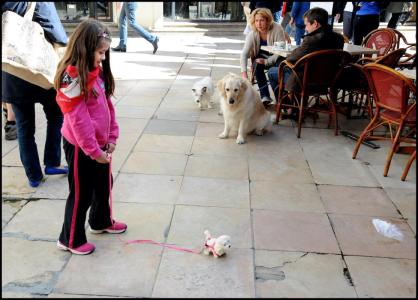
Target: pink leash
(196, 251)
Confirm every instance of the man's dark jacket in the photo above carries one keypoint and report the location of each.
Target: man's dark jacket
(321, 39)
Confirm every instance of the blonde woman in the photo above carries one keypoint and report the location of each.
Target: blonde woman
(264, 32)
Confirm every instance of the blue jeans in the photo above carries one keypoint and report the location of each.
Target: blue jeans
(300, 31)
(128, 14)
(273, 75)
(25, 123)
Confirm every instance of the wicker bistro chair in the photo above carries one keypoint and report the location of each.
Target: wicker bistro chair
(390, 59)
(391, 92)
(315, 75)
(353, 82)
(408, 165)
(382, 39)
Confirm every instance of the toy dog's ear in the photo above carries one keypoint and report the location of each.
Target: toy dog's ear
(207, 233)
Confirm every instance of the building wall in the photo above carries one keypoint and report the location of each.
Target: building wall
(149, 14)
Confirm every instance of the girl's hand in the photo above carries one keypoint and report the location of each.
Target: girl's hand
(103, 158)
(244, 75)
(110, 147)
(260, 61)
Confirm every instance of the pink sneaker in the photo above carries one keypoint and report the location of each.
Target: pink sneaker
(117, 227)
(84, 249)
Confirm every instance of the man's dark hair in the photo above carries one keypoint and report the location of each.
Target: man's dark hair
(318, 14)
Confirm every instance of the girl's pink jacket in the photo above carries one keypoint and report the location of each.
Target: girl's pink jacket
(89, 124)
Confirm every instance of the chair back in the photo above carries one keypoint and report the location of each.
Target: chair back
(382, 39)
(401, 38)
(321, 68)
(391, 59)
(391, 89)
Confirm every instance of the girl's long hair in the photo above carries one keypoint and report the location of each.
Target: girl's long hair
(83, 42)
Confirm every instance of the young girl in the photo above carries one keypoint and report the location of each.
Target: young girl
(84, 84)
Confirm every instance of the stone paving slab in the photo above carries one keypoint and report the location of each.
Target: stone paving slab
(138, 217)
(9, 209)
(214, 192)
(357, 235)
(189, 223)
(41, 219)
(187, 275)
(14, 183)
(164, 143)
(155, 163)
(357, 201)
(282, 274)
(30, 266)
(285, 196)
(217, 166)
(169, 127)
(375, 277)
(146, 188)
(293, 231)
(404, 200)
(111, 270)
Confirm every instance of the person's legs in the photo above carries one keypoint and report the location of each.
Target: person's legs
(300, 31)
(52, 153)
(393, 22)
(25, 121)
(123, 27)
(131, 15)
(73, 232)
(261, 80)
(363, 25)
(348, 24)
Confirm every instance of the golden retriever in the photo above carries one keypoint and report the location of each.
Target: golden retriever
(242, 108)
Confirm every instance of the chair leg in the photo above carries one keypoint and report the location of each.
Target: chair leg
(362, 136)
(301, 104)
(408, 165)
(392, 149)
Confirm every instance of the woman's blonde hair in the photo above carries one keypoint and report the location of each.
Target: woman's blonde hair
(265, 13)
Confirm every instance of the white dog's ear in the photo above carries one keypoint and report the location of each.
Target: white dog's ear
(204, 89)
(221, 87)
(243, 87)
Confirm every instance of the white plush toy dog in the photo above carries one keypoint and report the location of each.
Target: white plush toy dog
(216, 246)
(203, 92)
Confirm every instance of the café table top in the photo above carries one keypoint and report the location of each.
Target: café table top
(411, 74)
(350, 48)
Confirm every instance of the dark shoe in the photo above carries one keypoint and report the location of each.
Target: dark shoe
(35, 183)
(119, 49)
(155, 44)
(10, 131)
(56, 170)
(266, 101)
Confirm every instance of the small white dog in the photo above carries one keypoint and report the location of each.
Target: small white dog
(216, 246)
(203, 92)
(242, 108)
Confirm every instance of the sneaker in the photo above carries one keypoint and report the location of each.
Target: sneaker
(119, 49)
(35, 183)
(117, 227)
(155, 44)
(56, 170)
(10, 131)
(84, 249)
(266, 100)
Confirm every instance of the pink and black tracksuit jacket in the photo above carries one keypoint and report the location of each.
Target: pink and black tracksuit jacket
(88, 127)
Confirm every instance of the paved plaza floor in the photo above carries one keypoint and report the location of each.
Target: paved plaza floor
(299, 211)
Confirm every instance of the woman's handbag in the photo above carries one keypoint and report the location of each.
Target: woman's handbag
(25, 51)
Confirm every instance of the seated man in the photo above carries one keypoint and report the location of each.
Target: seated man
(319, 37)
